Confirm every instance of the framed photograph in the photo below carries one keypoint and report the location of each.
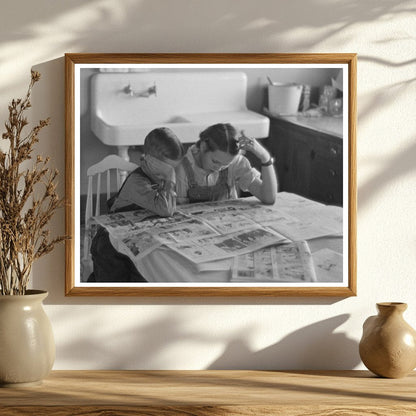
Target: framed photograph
(211, 174)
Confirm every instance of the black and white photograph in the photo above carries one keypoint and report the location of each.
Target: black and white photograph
(202, 175)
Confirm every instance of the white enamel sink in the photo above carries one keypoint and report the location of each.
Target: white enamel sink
(187, 103)
(187, 127)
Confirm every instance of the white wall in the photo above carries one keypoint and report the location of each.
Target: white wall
(199, 333)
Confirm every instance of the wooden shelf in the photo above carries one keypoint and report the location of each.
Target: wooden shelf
(242, 393)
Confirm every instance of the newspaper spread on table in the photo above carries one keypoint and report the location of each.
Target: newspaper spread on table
(289, 262)
(206, 232)
(328, 264)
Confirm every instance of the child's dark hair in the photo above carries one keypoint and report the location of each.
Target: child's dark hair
(220, 137)
(163, 143)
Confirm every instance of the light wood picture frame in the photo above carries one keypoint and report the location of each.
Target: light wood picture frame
(105, 93)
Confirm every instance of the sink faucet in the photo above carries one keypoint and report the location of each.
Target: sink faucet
(145, 93)
(152, 90)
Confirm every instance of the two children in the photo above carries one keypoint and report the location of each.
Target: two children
(213, 169)
(150, 186)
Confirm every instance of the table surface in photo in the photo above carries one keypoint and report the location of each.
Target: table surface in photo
(213, 392)
(165, 265)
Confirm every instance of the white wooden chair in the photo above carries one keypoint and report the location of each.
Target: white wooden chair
(114, 168)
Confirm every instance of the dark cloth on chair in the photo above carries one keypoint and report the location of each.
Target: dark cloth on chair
(109, 264)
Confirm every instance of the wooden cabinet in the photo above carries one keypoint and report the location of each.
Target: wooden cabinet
(308, 161)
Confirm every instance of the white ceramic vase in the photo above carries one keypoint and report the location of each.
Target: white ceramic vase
(27, 346)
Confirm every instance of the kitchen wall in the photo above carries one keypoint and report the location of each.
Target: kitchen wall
(92, 150)
(202, 333)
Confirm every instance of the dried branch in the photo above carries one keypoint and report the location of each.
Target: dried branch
(24, 217)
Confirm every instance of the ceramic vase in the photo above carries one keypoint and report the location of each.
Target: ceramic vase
(27, 346)
(388, 345)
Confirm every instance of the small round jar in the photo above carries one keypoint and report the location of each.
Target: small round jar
(388, 344)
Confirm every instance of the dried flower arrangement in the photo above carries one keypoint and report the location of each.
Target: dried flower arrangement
(28, 199)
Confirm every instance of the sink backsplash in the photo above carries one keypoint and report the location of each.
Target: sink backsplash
(176, 92)
(126, 106)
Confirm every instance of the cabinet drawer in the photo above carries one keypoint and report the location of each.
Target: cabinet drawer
(327, 147)
(308, 162)
(326, 172)
(326, 182)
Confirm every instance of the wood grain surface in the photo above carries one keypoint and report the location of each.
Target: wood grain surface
(204, 393)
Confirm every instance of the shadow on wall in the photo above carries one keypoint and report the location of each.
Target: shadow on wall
(153, 344)
(48, 100)
(77, 26)
(143, 347)
(244, 27)
(398, 166)
(314, 347)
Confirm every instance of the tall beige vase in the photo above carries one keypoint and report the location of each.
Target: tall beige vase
(27, 346)
(388, 345)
